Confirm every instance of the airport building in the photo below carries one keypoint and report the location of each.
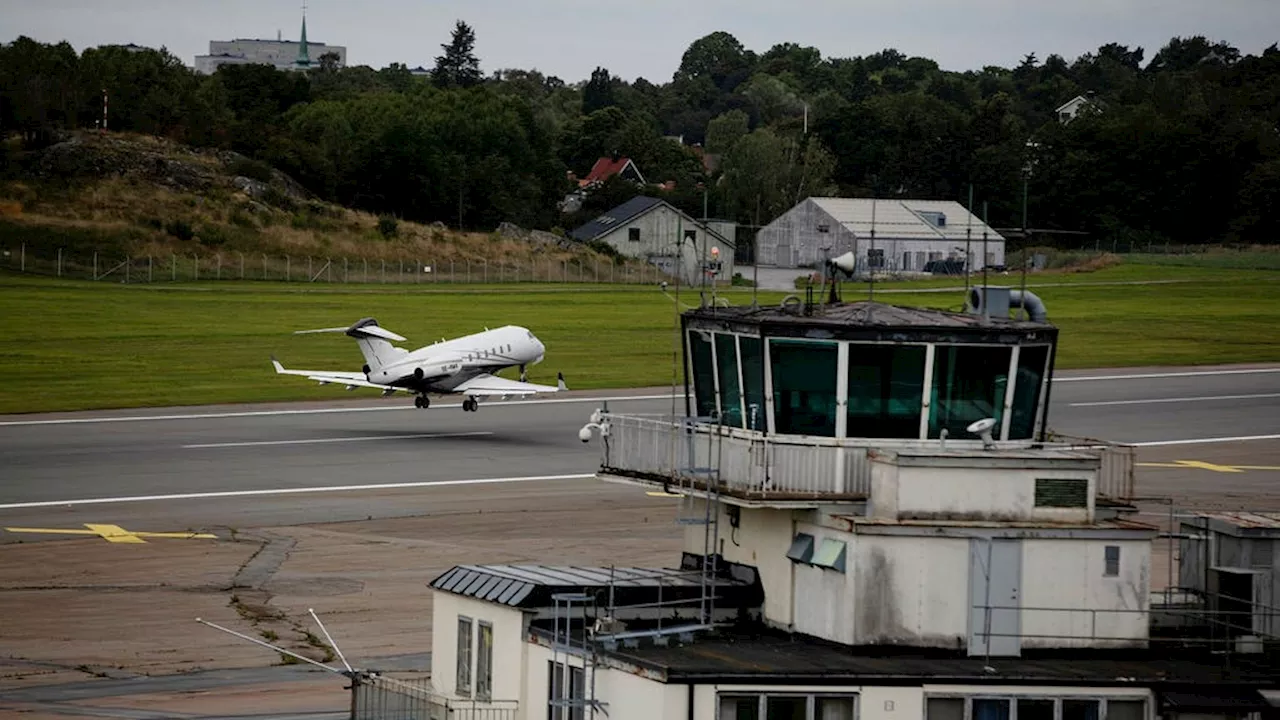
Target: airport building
(893, 235)
(877, 524)
(302, 54)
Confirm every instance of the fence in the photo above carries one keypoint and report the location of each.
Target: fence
(114, 267)
(754, 465)
(376, 697)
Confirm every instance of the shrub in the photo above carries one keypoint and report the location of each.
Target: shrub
(180, 229)
(387, 226)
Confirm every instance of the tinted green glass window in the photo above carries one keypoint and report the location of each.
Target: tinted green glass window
(727, 372)
(1026, 394)
(704, 381)
(753, 382)
(886, 390)
(968, 385)
(804, 387)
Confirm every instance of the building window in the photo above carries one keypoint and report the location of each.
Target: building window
(1112, 558)
(875, 258)
(1032, 361)
(704, 374)
(633, 234)
(691, 236)
(564, 705)
(788, 706)
(464, 656)
(886, 388)
(753, 381)
(1062, 493)
(804, 387)
(727, 370)
(1035, 709)
(484, 663)
(1039, 707)
(968, 385)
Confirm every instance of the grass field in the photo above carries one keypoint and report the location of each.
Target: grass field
(80, 345)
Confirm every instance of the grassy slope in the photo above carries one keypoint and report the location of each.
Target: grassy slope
(76, 345)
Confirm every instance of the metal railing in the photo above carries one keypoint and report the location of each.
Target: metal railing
(757, 466)
(377, 697)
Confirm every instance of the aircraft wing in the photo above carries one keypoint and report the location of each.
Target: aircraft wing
(493, 385)
(337, 377)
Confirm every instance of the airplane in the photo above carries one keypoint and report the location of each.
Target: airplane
(464, 365)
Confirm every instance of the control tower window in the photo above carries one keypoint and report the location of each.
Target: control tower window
(804, 386)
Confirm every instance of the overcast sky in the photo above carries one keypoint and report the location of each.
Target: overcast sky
(645, 38)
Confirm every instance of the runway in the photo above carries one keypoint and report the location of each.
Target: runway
(253, 466)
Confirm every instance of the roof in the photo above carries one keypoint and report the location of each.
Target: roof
(533, 586)
(760, 655)
(906, 219)
(628, 211)
(1254, 524)
(607, 167)
(864, 314)
(617, 216)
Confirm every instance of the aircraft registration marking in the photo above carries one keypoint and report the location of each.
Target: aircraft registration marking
(113, 533)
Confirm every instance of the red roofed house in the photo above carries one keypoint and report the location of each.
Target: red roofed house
(607, 167)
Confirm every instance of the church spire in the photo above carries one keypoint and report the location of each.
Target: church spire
(304, 58)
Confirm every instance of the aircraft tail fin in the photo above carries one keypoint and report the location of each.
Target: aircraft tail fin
(372, 339)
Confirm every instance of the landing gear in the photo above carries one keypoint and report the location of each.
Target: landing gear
(421, 402)
(524, 377)
(470, 405)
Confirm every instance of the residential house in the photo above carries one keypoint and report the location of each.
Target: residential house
(653, 229)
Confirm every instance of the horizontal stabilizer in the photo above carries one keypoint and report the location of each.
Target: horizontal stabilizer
(367, 327)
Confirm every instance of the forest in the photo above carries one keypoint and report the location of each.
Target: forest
(1183, 147)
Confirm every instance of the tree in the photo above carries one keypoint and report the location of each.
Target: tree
(458, 67)
(598, 93)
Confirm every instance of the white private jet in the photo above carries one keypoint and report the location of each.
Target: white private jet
(463, 365)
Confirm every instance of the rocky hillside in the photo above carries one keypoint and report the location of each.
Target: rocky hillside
(132, 195)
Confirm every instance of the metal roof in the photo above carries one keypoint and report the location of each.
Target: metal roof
(1242, 519)
(531, 586)
(906, 219)
(615, 217)
(867, 314)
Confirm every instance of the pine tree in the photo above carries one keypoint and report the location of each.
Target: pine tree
(458, 67)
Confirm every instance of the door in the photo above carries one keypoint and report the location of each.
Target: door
(782, 258)
(995, 590)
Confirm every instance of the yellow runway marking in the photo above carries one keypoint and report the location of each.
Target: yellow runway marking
(655, 493)
(1201, 465)
(113, 533)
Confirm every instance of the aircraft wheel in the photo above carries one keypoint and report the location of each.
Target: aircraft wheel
(417, 401)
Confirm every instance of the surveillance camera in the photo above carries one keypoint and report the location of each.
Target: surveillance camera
(584, 434)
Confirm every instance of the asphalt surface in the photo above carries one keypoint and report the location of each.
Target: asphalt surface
(314, 462)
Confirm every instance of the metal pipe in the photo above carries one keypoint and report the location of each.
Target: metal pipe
(1030, 302)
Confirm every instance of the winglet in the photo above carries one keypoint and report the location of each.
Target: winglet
(276, 364)
(560, 382)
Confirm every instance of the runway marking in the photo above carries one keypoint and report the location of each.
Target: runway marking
(112, 533)
(1201, 465)
(335, 440)
(1204, 441)
(1187, 373)
(317, 411)
(290, 491)
(1174, 400)
(659, 493)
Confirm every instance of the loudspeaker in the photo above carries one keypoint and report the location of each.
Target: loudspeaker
(846, 262)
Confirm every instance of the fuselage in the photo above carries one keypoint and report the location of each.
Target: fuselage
(448, 363)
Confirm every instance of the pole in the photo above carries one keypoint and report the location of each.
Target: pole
(968, 250)
(59, 262)
(871, 253)
(986, 311)
(1026, 180)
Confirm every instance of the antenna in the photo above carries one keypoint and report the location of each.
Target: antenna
(349, 672)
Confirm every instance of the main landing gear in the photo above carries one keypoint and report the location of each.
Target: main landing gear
(470, 405)
(422, 402)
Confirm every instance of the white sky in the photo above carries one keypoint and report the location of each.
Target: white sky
(646, 38)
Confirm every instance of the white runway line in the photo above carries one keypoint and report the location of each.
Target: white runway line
(1188, 373)
(335, 440)
(1205, 441)
(319, 411)
(1103, 403)
(290, 491)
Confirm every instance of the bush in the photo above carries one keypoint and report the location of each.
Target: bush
(387, 226)
(180, 229)
(252, 169)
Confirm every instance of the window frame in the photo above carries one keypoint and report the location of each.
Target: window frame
(811, 699)
(462, 666)
(1013, 698)
(484, 661)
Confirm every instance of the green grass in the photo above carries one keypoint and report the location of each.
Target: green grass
(79, 345)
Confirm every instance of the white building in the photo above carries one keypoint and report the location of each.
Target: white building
(857, 546)
(884, 235)
(301, 54)
(653, 229)
(1071, 108)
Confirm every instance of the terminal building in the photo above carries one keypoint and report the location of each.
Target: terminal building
(301, 54)
(877, 524)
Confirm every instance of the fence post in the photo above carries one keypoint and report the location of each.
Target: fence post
(128, 263)
(23, 261)
(95, 264)
(150, 271)
(59, 262)
(288, 275)
(173, 263)
(241, 266)
(264, 266)
(195, 261)
(217, 272)
(346, 271)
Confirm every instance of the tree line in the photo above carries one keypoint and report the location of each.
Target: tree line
(1184, 148)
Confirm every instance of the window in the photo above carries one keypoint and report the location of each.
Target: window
(875, 258)
(788, 706)
(753, 382)
(1039, 707)
(944, 709)
(886, 389)
(704, 388)
(1112, 559)
(484, 663)
(464, 656)
(804, 387)
(691, 236)
(990, 709)
(1035, 709)
(1062, 492)
(1126, 710)
(968, 385)
(1032, 361)
(633, 234)
(1080, 709)
(727, 372)
(562, 705)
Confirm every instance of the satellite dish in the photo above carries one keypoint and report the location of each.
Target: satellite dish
(982, 428)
